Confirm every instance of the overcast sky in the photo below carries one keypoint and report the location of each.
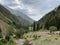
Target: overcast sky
(32, 8)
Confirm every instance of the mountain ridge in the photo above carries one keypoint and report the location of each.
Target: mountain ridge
(20, 21)
(21, 14)
(50, 19)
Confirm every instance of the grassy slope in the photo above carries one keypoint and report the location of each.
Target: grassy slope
(4, 23)
(5, 19)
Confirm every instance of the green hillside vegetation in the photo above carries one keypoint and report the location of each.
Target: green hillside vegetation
(50, 19)
(5, 19)
(22, 17)
(10, 27)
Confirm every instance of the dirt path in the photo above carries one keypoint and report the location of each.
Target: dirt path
(20, 41)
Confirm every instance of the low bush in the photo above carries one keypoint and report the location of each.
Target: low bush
(1, 43)
(26, 43)
(52, 29)
(11, 42)
(35, 37)
(4, 41)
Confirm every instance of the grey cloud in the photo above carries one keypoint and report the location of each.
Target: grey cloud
(41, 7)
(9, 2)
(43, 4)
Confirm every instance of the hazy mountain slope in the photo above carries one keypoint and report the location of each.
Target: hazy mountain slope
(10, 19)
(25, 17)
(15, 20)
(21, 14)
(25, 22)
(50, 19)
(10, 16)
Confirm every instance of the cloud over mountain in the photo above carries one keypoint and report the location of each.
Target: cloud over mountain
(33, 8)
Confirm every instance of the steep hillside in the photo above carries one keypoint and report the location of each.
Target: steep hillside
(27, 20)
(22, 15)
(5, 25)
(9, 16)
(14, 20)
(10, 24)
(50, 19)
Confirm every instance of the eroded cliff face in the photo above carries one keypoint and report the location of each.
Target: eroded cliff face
(7, 22)
(3, 27)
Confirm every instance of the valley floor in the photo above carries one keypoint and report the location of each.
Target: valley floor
(41, 38)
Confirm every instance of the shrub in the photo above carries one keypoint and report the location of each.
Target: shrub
(10, 31)
(52, 28)
(1, 33)
(26, 43)
(7, 38)
(11, 42)
(39, 36)
(56, 38)
(1, 43)
(19, 33)
(35, 37)
(4, 41)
